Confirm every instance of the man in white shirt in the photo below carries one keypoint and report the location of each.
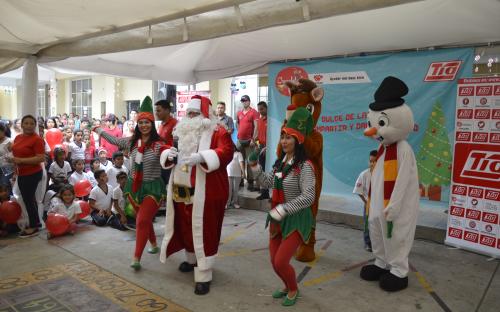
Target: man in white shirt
(362, 188)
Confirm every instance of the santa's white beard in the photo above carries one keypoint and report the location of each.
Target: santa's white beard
(188, 131)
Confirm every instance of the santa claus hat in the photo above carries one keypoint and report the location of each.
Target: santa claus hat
(200, 104)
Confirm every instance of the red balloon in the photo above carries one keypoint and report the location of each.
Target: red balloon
(10, 211)
(53, 137)
(82, 188)
(85, 207)
(57, 224)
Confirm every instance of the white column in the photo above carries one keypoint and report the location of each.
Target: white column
(30, 87)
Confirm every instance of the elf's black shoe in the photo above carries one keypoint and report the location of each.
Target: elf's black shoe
(186, 267)
(372, 272)
(390, 282)
(202, 288)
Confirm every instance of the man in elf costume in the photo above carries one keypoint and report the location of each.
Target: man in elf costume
(197, 191)
(305, 93)
(393, 198)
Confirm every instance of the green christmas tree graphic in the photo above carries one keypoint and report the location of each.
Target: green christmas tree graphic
(434, 157)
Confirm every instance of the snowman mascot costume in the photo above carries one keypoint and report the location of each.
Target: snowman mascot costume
(394, 193)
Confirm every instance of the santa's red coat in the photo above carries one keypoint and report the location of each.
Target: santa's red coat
(210, 197)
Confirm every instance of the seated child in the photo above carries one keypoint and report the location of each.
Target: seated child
(66, 206)
(119, 202)
(59, 169)
(79, 174)
(115, 169)
(100, 201)
(6, 229)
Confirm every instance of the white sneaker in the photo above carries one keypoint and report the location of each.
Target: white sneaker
(237, 206)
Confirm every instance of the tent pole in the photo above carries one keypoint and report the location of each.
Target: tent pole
(30, 87)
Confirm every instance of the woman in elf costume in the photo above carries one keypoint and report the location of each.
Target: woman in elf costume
(144, 188)
(293, 186)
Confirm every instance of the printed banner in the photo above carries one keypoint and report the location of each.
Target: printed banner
(475, 197)
(349, 85)
(183, 98)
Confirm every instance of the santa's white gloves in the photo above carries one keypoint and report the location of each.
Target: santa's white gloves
(193, 160)
(278, 213)
(169, 155)
(390, 212)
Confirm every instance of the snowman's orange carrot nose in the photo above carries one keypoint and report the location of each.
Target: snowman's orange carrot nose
(370, 131)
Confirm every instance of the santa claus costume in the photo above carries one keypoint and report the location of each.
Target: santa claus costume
(197, 191)
(393, 199)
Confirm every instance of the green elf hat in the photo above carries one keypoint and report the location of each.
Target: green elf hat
(146, 110)
(299, 125)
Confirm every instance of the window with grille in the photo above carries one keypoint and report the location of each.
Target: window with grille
(41, 102)
(81, 97)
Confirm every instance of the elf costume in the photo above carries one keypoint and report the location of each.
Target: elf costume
(394, 194)
(145, 188)
(291, 219)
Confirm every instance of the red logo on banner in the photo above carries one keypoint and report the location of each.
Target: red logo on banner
(462, 136)
(466, 91)
(483, 101)
(453, 232)
(495, 114)
(494, 137)
(457, 211)
(475, 192)
(490, 217)
(292, 73)
(484, 90)
(480, 137)
(482, 114)
(471, 237)
(318, 77)
(488, 241)
(477, 164)
(465, 113)
(473, 214)
(459, 190)
(492, 195)
(443, 71)
(497, 90)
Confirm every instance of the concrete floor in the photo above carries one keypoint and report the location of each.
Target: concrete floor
(444, 279)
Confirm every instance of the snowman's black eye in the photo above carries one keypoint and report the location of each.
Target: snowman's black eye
(381, 123)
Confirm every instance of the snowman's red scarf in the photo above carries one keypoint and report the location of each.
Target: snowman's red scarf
(390, 176)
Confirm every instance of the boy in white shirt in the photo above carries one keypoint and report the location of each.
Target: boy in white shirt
(362, 188)
(115, 169)
(119, 202)
(100, 199)
(76, 147)
(105, 163)
(59, 169)
(79, 175)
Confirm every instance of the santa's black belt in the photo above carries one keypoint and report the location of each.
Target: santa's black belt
(182, 193)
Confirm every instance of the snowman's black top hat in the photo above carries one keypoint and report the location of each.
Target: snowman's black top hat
(389, 94)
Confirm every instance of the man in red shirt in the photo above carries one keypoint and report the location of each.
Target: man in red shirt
(162, 111)
(261, 143)
(113, 130)
(247, 132)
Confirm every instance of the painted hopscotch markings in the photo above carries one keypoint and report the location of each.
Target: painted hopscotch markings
(237, 233)
(336, 274)
(311, 264)
(421, 279)
(76, 286)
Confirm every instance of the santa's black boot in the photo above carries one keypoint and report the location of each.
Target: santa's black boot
(202, 288)
(390, 282)
(372, 272)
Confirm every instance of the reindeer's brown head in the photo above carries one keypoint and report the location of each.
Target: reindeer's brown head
(305, 93)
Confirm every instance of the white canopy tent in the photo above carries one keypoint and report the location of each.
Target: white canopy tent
(195, 40)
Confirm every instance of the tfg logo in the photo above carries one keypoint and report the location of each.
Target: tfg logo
(457, 211)
(475, 192)
(482, 114)
(495, 114)
(443, 71)
(484, 90)
(492, 195)
(471, 237)
(473, 214)
(481, 137)
(466, 91)
(487, 241)
(465, 113)
(496, 92)
(459, 190)
(462, 136)
(453, 232)
(482, 165)
(494, 137)
(490, 217)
